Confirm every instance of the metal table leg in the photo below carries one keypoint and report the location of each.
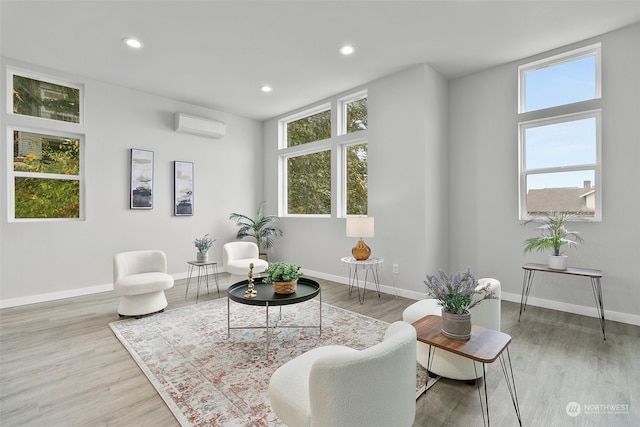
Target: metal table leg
(527, 281)
(597, 293)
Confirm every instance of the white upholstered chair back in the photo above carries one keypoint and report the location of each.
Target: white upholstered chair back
(239, 250)
(341, 386)
(136, 262)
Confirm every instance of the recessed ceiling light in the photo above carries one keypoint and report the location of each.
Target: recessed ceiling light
(347, 50)
(136, 44)
(266, 88)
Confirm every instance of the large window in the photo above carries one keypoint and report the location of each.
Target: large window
(45, 161)
(559, 134)
(45, 175)
(310, 144)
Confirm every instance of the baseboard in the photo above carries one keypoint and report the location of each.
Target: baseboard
(53, 296)
(614, 316)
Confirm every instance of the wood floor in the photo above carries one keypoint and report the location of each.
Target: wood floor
(62, 366)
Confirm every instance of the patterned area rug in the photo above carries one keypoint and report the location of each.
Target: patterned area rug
(209, 379)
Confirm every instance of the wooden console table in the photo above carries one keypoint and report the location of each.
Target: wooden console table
(594, 275)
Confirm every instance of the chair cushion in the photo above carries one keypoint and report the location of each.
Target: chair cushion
(241, 266)
(143, 283)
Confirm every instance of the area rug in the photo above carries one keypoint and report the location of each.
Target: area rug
(209, 379)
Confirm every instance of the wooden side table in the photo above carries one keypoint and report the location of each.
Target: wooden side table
(484, 346)
(370, 264)
(594, 275)
(202, 265)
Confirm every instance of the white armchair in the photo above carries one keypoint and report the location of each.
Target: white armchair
(340, 386)
(486, 314)
(140, 277)
(236, 257)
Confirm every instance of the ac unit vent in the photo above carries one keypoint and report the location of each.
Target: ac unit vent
(199, 126)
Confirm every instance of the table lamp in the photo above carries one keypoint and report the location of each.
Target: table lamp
(360, 226)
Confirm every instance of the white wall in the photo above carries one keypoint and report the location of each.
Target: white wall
(407, 163)
(47, 260)
(484, 229)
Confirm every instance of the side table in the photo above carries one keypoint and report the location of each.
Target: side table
(484, 346)
(594, 275)
(202, 265)
(368, 265)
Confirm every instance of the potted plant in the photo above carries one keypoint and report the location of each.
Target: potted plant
(260, 228)
(553, 235)
(457, 294)
(283, 276)
(203, 244)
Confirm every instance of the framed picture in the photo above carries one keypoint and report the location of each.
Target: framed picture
(182, 188)
(141, 179)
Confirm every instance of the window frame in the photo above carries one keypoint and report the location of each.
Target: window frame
(335, 144)
(343, 173)
(591, 108)
(561, 58)
(12, 71)
(12, 174)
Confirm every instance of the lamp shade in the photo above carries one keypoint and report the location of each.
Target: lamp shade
(360, 226)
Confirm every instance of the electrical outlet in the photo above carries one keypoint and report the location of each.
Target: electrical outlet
(395, 269)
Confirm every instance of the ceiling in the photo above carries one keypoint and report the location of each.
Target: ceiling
(218, 54)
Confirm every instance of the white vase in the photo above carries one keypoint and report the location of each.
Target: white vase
(203, 256)
(558, 262)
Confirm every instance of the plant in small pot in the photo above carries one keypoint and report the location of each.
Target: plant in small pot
(553, 235)
(203, 244)
(283, 276)
(260, 228)
(457, 294)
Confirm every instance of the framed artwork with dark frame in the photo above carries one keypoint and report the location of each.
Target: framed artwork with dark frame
(141, 180)
(182, 188)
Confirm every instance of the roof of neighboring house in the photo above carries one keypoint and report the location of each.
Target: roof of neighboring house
(559, 199)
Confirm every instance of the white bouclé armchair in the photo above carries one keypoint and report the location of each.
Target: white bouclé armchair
(140, 278)
(236, 257)
(486, 314)
(340, 386)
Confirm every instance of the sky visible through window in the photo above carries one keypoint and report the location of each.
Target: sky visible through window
(566, 143)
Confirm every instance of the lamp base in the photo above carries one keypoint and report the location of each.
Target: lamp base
(361, 251)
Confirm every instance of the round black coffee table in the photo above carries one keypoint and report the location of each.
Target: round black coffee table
(266, 297)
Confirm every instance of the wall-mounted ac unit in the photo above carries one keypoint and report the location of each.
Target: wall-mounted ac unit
(199, 126)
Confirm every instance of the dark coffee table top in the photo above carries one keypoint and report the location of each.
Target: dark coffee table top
(306, 290)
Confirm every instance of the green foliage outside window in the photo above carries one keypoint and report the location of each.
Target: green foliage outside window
(37, 196)
(357, 191)
(308, 129)
(356, 115)
(309, 179)
(39, 98)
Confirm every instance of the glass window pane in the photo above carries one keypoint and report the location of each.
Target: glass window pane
(39, 98)
(356, 115)
(309, 184)
(356, 179)
(562, 191)
(561, 84)
(47, 198)
(308, 129)
(561, 144)
(41, 153)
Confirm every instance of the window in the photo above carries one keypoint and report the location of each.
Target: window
(559, 154)
(45, 177)
(44, 98)
(310, 143)
(356, 194)
(44, 168)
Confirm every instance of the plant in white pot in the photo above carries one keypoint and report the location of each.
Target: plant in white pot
(261, 228)
(203, 244)
(553, 234)
(457, 294)
(283, 276)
